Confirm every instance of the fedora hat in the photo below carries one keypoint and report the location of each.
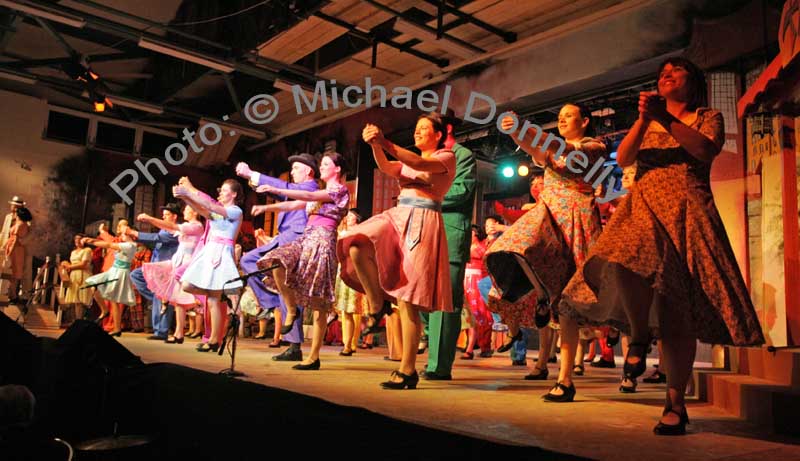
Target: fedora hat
(172, 207)
(17, 200)
(308, 160)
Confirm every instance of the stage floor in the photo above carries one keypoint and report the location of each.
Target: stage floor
(489, 399)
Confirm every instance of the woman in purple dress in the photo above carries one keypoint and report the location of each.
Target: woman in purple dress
(305, 269)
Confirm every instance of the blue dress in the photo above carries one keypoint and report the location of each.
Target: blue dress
(213, 264)
(121, 289)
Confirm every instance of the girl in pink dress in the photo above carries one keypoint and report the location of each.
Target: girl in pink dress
(163, 278)
(400, 255)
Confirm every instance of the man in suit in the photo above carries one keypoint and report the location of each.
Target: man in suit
(290, 226)
(443, 328)
(164, 246)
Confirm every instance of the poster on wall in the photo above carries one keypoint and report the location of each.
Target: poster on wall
(762, 140)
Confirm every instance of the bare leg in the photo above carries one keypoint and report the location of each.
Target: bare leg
(546, 335)
(677, 357)
(580, 351)
(356, 332)
(217, 318)
(279, 275)
(569, 341)
(348, 327)
(116, 316)
(100, 302)
(276, 338)
(395, 336)
(363, 256)
(470, 340)
(180, 317)
(410, 326)
(317, 336)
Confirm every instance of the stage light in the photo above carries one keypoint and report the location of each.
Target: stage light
(99, 106)
(508, 171)
(523, 170)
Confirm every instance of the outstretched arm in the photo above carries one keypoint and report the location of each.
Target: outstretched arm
(160, 223)
(276, 207)
(202, 203)
(304, 195)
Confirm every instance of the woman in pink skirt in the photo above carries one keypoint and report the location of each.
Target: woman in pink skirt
(400, 255)
(163, 278)
(306, 268)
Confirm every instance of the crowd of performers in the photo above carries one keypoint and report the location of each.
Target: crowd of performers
(661, 267)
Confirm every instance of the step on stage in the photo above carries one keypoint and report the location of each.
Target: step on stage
(487, 400)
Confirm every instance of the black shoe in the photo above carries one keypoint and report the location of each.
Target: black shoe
(311, 366)
(156, 338)
(676, 429)
(656, 378)
(578, 370)
(386, 309)
(98, 320)
(541, 376)
(627, 389)
(568, 393)
(174, 340)
(431, 376)
(467, 356)
(285, 329)
(519, 363)
(289, 355)
(602, 363)
(634, 370)
(486, 354)
(409, 381)
(552, 360)
(195, 335)
(506, 346)
(207, 347)
(346, 354)
(115, 334)
(386, 357)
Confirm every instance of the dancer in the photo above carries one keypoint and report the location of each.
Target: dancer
(537, 256)
(15, 203)
(306, 272)
(14, 249)
(664, 259)
(401, 254)
(165, 244)
(114, 285)
(74, 274)
(443, 328)
(163, 277)
(350, 302)
(212, 266)
(291, 225)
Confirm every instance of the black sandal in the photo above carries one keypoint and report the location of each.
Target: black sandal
(672, 429)
(506, 346)
(374, 328)
(627, 389)
(543, 312)
(567, 395)
(409, 381)
(541, 376)
(632, 371)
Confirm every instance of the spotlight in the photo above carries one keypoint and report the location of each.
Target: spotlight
(508, 171)
(523, 170)
(99, 106)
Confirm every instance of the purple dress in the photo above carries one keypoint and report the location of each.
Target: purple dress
(310, 261)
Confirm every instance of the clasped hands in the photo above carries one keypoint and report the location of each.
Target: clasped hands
(182, 189)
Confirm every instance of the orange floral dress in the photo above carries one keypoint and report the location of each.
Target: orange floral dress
(667, 230)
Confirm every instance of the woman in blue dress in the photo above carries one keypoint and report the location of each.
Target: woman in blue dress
(213, 264)
(114, 285)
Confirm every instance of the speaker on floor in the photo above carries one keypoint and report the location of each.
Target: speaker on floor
(20, 353)
(87, 344)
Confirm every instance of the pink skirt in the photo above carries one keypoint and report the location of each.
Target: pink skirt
(411, 253)
(163, 280)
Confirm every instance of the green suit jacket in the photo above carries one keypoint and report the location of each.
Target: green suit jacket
(458, 204)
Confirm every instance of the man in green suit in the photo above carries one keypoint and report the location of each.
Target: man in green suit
(443, 328)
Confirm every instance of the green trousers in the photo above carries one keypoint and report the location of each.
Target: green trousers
(443, 328)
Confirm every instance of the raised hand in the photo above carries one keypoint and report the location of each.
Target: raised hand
(508, 122)
(652, 106)
(180, 191)
(243, 170)
(372, 134)
(258, 209)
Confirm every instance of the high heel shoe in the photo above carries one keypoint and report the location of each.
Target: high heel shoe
(634, 370)
(578, 370)
(174, 340)
(567, 393)
(195, 335)
(630, 389)
(386, 309)
(116, 333)
(541, 376)
(467, 356)
(673, 429)
(100, 318)
(346, 353)
(309, 366)
(259, 336)
(208, 347)
(286, 328)
(423, 345)
(409, 381)
(506, 346)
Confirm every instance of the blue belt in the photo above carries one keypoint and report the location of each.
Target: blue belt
(121, 264)
(417, 216)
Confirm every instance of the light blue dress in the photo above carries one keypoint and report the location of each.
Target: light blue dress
(121, 289)
(213, 264)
